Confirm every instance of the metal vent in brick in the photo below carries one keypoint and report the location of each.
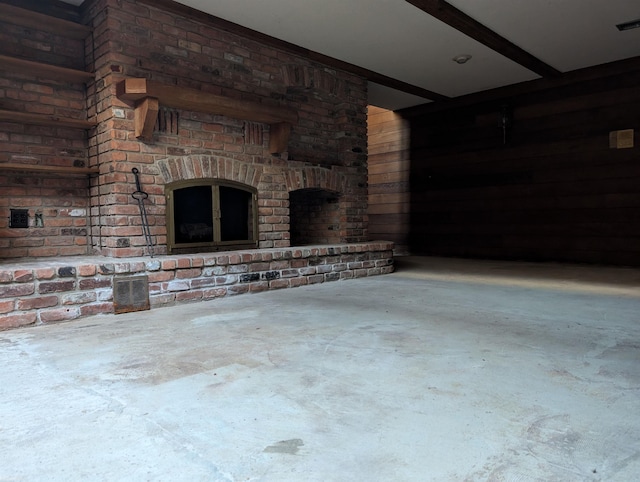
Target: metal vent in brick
(130, 294)
(19, 218)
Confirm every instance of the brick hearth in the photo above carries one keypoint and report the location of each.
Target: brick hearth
(54, 290)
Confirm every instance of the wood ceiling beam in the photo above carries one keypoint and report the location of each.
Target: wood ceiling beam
(183, 10)
(447, 13)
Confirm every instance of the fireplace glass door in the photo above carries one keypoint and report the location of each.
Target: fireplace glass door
(209, 215)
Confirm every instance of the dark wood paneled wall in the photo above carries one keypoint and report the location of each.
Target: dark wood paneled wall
(555, 191)
(389, 193)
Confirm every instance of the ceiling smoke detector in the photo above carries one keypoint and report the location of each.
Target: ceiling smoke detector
(461, 59)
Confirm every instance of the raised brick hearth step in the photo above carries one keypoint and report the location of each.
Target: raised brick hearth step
(53, 290)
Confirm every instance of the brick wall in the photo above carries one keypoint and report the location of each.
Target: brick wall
(62, 202)
(329, 141)
(132, 39)
(51, 292)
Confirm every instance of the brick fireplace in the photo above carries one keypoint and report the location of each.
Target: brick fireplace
(268, 143)
(198, 71)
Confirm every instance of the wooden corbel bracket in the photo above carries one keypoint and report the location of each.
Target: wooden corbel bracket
(147, 96)
(146, 115)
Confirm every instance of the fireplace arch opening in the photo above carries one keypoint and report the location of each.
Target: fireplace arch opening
(210, 215)
(314, 216)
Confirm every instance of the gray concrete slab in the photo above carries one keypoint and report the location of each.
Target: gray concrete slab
(446, 370)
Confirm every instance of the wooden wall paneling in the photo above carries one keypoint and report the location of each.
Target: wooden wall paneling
(556, 191)
(388, 161)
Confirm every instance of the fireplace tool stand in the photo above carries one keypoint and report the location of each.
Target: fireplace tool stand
(139, 195)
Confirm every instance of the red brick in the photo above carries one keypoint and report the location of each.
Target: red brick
(237, 289)
(94, 283)
(189, 295)
(168, 264)
(37, 303)
(280, 264)
(188, 273)
(223, 260)
(13, 291)
(43, 252)
(162, 299)
(126, 146)
(7, 306)
(79, 298)
(278, 284)
(138, 267)
(259, 286)
(294, 282)
(22, 275)
(55, 286)
(316, 278)
(176, 286)
(214, 293)
(96, 309)
(159, 276)
(235, 258)
(87, 270)
(184, 263)
(59, 314)
(16, 320)
(255, 267)
(203, 282)
(209, 261)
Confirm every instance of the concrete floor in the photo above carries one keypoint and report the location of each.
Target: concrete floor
(446, 370)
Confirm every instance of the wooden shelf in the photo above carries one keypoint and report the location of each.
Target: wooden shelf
(146, 96)
(44, 120)
(46, 23)
(75, 171)
(46, 70)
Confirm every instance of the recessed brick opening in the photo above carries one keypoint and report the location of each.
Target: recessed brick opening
(315, 217)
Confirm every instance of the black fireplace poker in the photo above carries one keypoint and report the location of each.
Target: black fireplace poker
(139, 195)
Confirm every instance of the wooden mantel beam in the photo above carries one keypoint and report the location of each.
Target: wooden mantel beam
(147, 96)
(134, 89)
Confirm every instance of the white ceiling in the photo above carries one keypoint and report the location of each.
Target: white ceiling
(396, 39)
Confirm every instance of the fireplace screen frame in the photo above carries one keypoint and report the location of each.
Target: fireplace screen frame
(216, 244)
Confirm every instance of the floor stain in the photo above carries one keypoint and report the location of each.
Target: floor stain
(285, 446)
